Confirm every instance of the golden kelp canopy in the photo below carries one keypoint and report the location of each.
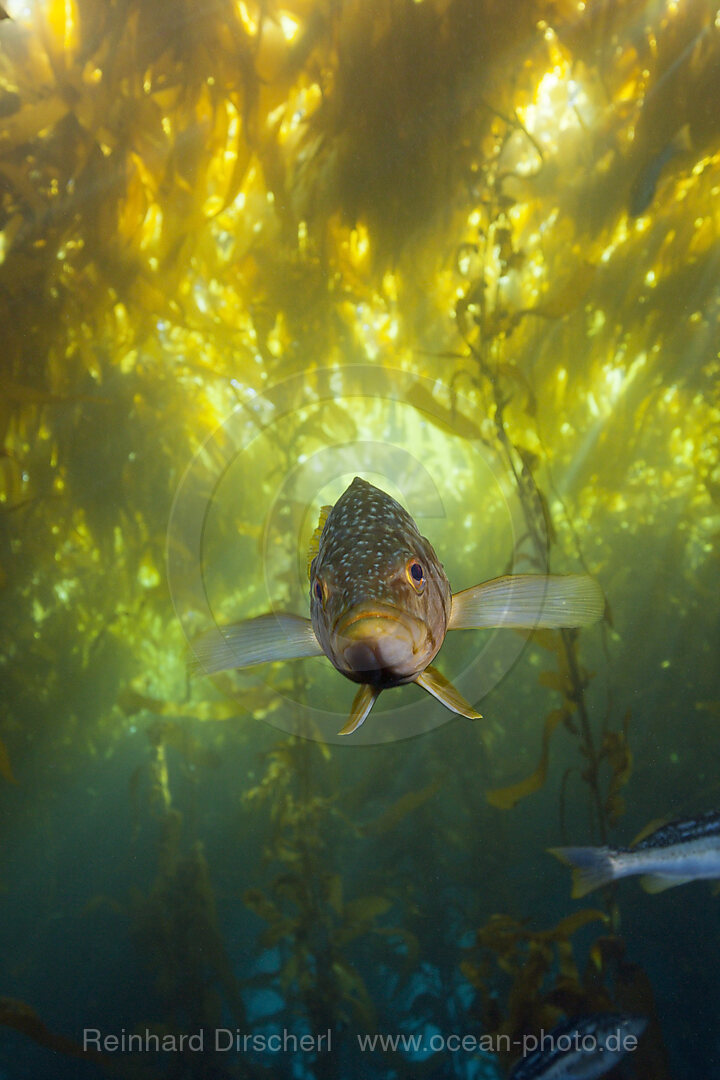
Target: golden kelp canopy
(518, 201)
(471, 242)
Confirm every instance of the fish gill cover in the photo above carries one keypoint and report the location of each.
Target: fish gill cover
(247, 250)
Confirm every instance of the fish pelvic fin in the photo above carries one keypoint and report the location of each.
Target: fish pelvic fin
(362, 704)
(436, 684)
(276, 636)
(655, 883)
(529, 601)
(592, 867)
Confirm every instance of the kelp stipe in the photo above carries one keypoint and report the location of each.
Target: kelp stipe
(316, 922)
(486, 324)
(176, 931)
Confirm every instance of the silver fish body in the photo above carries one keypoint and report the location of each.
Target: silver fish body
(673, 854)
(581, 1049)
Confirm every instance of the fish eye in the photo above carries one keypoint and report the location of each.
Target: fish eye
(319, 590)
(415, 575)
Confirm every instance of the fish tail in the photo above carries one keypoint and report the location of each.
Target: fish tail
(592, 867)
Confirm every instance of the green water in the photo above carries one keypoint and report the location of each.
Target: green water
(465, 250)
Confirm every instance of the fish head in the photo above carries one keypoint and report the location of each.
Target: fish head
(632, 1025)
(379, 598)
(613, 1030)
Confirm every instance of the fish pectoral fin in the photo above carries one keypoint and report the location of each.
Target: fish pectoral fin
(655, 883)
(436, 684)
(528, 601)
(362, 704)
(275, 636)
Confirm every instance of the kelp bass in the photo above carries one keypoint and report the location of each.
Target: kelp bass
(381, 604)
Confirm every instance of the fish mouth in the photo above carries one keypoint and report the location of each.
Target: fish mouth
(378, 643)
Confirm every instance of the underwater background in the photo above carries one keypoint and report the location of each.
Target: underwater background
(469, 250)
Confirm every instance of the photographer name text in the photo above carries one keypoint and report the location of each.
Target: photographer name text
(222, 1040)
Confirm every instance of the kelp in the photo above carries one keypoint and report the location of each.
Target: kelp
(311, 917)
(633, 992)
(527, 980)
(177, 934)
(486, 326)
(539, 974)
(22, 1018)
(176, 931)
(505, 798)
(285, 210)
(612, 757)
(135, 281)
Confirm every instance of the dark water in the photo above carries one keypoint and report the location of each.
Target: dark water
(466, 251)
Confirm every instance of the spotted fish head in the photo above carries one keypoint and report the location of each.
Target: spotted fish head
(379, 598)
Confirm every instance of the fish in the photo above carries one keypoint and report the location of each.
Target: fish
(381, 605)
(671, 855)
(580, 1049)
(670, 124)
(643, 188)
